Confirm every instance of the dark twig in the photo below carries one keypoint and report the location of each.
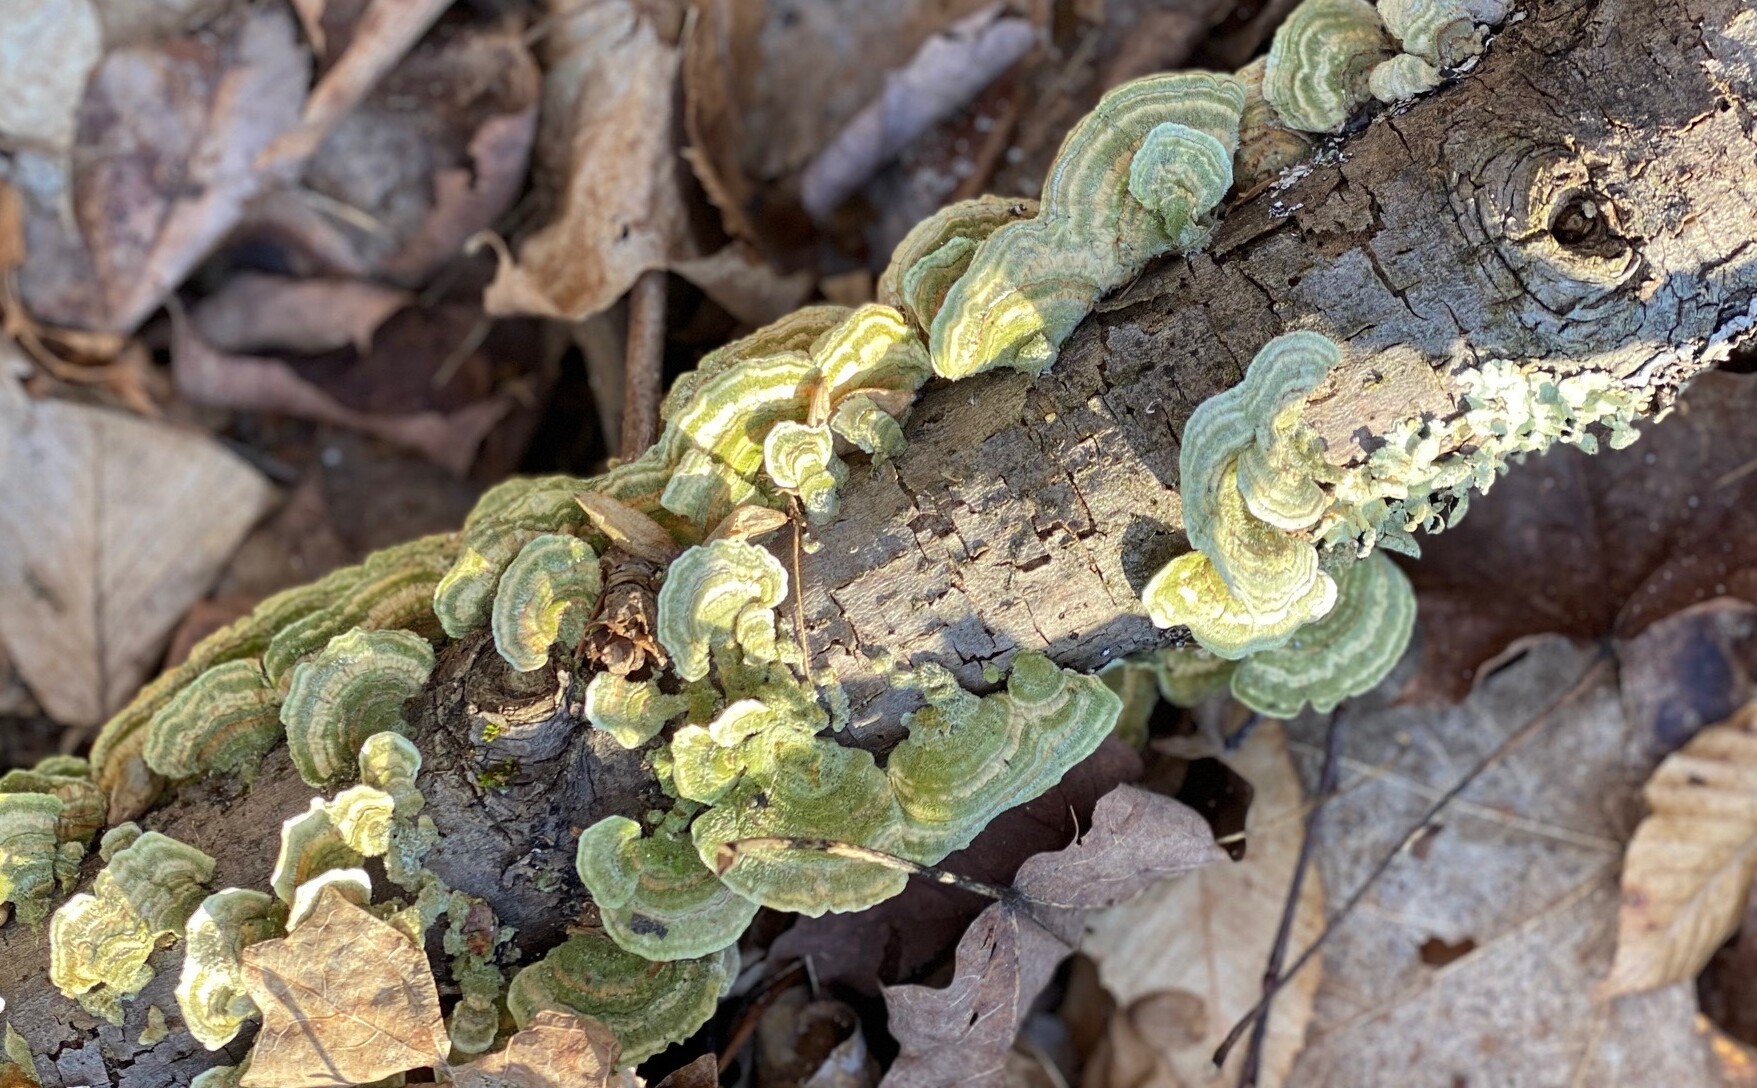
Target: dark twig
(644, 366)
(1278, 952)
(1513, 740)
(728, 857)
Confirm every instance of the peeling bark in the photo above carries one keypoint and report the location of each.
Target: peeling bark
(1028, 514)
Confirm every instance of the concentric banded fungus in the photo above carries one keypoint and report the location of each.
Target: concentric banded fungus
(362, 815)
(211, 990)
(801, 787)
(1265, 145)
(546, 596)
(68, 780)
(873, 349)
(725, 424)
(966, 759)
(797, 331)
(802, 459)
(99, 942)
(356, 687)
(632, 711)
(394, 592)
(354, 885)
(1190, 592)
(1344, 654)
(937, 250)
(716, 597)
(390, 762)
(505, 519)
(1401, 78)
(655, 896)
(310, 844)
(1031, 282)
(868, 427)
(33, 859)
(1319, 62)
(1440, 32)
(1181, 173)
(647, 1006)
(224, 722)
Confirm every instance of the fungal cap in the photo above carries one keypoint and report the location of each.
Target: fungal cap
(872, 348)
(1190, 592)
(354, 885)
(354, 688)
(801, 458)
(716, 597)
(1181, 173)
(546, 596)
(211, 992)
(1401, 78)
(1319, 62)
(655, 896)
(1440, 32)
(32, 861)
(631, 711)
(1343, 654)
(506, 517)
(647, 1006)
(224, 722)
(937, 250)
(1265, 145)
(390, 762)
(796, 331)
(310, 844)
(362, 815)
(725, 423)
(162, 880)
(966, 761)
(866, 425)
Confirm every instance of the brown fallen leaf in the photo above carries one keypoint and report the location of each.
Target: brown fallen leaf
(256, 312)
(1687, 873)
(1209, 933)
(345, 999)
(949, 69)
(555, 1050)
(110, 527)
(744, 285)
(704, 1072)
(263, 384)
(1606, 544)
(1475, 956)
(962, 1034)
(609, 87)
(1138, 1038)
(801, 1043)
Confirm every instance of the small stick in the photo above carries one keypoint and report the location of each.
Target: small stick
(728, 857)
(1513, 740)
(1278, 952)
(644, 363)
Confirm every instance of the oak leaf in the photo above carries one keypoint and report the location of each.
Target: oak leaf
(1687, 873)
(345, 999)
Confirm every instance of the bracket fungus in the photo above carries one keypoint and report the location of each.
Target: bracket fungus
(1032, 281)
(937, 250)
(34, 859)
(1320, 60)
(390, 762)
(631, 711)
(224, 722)
(354, 688)
(1402, 77)
(655, 896)
(718, 597)
(99, 941)
(1345, 653)
(545, 596)
(210, 991)
(1266, 146)
(647, 1005)
(801, 458)
(1441, 32)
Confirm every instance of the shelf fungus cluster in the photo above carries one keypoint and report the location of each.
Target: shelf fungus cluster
(1285, 589)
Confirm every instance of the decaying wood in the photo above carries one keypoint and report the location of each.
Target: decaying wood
(1586, 197)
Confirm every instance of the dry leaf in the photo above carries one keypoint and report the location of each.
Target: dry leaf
(801, 1043)
(345, 999)
(949, 70)
(1687, 873)
(704, 1072)
(47, 48)
(1139, 1037)
(555, 1050)
(962, 1034)
(1474, 957)
(1606, 544)
(255, 312)
(1209, 934)
(110, 527)
(744, 285)
(611, 82)
(260, 384)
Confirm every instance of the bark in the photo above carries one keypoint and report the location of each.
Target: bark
(1028, 514)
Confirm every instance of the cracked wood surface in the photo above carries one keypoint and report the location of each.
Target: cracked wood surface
(1028, 514)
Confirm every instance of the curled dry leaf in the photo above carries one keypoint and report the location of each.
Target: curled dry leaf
(1209, 934)
(1687, 873)
(110, 527)
(744, 285)
(949, 70)
(962, 1034)
(345, 999)
(253, 312)
(555, 1050)
(610, 87)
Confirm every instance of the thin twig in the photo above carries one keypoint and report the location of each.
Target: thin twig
(644, 364)
(1513, 740)
(729, 852)
(1278, 952)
